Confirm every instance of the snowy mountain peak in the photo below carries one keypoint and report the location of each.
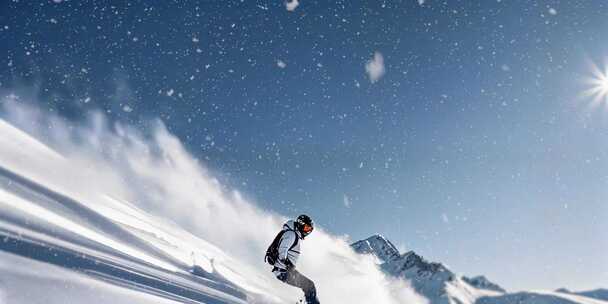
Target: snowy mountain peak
(432, 280)
(441, 286)
(482, 282)
(379, 247)
(409, 265)
(413, 266)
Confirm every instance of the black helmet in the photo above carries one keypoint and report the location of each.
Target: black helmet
(304, 224)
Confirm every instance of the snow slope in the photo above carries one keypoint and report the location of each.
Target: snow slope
(600, 294)
(137, 213)
(45, 226)
(55, 284)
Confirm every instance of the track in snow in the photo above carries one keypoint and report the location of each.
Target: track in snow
(49, 243)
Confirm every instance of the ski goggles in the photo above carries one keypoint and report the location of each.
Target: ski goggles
(307, 228)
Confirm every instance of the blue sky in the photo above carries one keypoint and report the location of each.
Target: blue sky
(475, 148)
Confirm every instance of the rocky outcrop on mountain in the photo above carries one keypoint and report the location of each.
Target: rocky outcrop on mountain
(482, 282)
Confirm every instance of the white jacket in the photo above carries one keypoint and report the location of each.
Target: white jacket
(289, 246)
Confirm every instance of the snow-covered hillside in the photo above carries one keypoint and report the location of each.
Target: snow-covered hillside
(600, 294)
(133, 216)
(442, 286)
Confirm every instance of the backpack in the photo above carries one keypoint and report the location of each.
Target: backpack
(272, 253)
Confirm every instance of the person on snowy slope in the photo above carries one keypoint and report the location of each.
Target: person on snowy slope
(283, 254)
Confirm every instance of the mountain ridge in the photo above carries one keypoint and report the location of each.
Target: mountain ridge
(440, 285)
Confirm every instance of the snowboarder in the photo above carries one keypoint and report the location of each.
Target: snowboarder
(283, 254)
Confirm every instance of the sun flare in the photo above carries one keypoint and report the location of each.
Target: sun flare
(598, 85)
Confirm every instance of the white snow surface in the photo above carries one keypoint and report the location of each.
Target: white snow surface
(28, 281)
(142, 204)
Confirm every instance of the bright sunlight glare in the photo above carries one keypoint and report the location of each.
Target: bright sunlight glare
(598, 85)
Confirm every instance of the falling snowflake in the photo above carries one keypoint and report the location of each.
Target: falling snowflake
(291, 5)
